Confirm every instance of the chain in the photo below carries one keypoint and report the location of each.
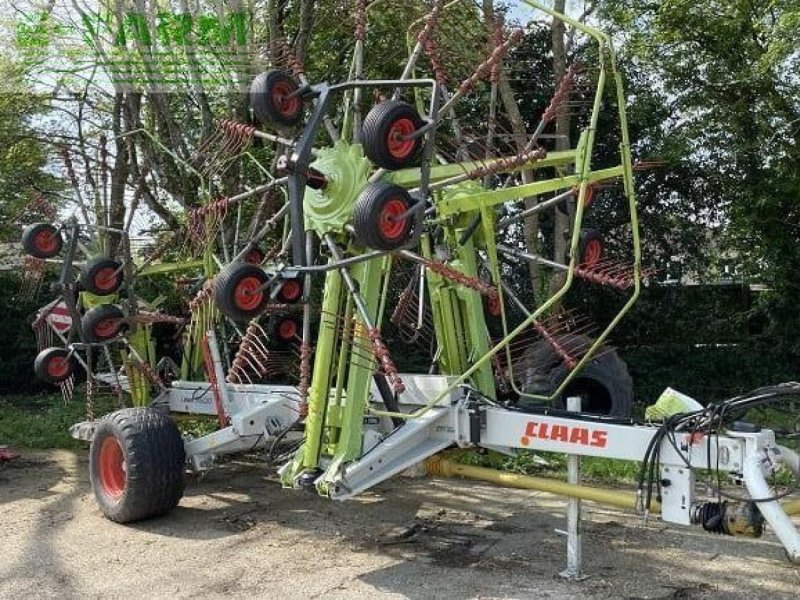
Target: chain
(569, 360)
(495, 58)
(563, 90)
(288, 57)
(473, 283)
(382, 354)
(305, 377)
(89, 387)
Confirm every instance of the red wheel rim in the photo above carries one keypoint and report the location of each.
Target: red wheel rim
(398, 143)
(254, 257)
(390, 226)
(282, 99)
(493, 306)
(105, 329)
(111, 468)
(592, 252)
(45, 241)
(287, 329)
(290, 291)
(105, 279)
(246, 294)
(58, 367)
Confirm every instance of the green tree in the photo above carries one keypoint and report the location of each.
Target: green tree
(23, 155)
(729, 70)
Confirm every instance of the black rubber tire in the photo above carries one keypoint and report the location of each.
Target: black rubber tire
(102, 323)
(154, 464)
(54, 372)
(379, 125)
(589, 240)
(369, 219)
(229, 295)
(264, 98)
(96, 276)
(604, 383)
(35, 235)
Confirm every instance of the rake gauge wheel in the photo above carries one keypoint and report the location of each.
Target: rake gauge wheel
(102, 323)
(238, 291)
(291, 291)
(591, 247)
(54, 365)
(101, 276)
(287, 329)
(385, 135)
(255, 256)
(378, 219)
(272, 99)
(42, 240)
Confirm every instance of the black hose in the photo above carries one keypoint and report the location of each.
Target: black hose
(388, 397)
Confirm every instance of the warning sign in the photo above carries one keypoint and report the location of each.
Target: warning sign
(59, 318)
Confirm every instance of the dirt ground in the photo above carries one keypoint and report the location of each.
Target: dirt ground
(238, 533)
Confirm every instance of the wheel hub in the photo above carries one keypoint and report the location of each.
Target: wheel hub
(106, 278)
(391, 225)
(346, 170)
(247, 294)
(58, 367)
(45, 241)
(399, 143)
(112, 472)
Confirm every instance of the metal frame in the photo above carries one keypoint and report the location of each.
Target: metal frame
(351, 441)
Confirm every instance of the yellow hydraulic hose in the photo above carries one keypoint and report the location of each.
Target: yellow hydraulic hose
(791, 508)
(444, 467)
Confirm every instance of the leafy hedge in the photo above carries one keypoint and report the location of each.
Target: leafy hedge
(710, 342)
(18, 343)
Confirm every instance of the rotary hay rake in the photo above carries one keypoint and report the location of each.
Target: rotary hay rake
(411, 211)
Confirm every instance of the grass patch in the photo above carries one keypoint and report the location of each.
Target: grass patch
(43, 421)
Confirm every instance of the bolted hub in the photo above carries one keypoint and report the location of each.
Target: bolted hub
(345, 171)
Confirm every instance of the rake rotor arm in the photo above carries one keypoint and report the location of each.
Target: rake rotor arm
(488, 198)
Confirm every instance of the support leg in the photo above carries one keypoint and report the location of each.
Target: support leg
(574, 535)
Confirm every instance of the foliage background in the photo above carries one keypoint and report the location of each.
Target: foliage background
(713, 93)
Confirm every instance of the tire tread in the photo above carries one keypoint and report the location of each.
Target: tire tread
(155, 461)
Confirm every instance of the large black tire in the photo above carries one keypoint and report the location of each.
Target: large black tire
(102, 323)
(136, 464)
(604, 382)
(270, 101)
(101, 276)
(42, 240)
(384, 127)
(373, 213)
(234, 291)
(54, 365)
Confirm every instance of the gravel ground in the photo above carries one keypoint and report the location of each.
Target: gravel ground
(237, 532)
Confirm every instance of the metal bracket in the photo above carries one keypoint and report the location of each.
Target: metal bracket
(403, 448)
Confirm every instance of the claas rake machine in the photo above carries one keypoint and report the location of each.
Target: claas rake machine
(406, 206)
